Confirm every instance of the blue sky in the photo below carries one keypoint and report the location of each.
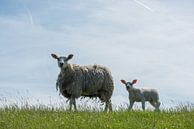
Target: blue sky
(149, 40)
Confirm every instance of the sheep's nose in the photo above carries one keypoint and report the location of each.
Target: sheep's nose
(60, 64)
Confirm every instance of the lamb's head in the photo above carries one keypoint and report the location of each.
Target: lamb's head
(129, 85)
(62, 60)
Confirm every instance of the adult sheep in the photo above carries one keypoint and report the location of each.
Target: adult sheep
(91, 81)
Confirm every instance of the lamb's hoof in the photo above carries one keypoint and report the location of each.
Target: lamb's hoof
(157, 110)
(129, 109)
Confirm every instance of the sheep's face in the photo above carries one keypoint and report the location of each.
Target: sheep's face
(129, 85)
(62, 61)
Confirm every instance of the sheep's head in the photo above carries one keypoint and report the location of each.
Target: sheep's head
(129, 85)
(62, 60)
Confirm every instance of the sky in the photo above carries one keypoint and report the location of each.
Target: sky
(147, 40)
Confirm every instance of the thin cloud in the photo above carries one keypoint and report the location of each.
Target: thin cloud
(144, 5)
(28, 13)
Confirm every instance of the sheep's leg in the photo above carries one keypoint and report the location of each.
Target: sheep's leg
(110, 105)
(157, 105)
(143, 104)
(72, 102)
(106, 107)
(153, 104)
(131, 105)
(102, 97)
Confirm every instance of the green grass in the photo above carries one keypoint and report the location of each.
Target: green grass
(12, 117)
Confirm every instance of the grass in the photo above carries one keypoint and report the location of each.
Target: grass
(29, 117)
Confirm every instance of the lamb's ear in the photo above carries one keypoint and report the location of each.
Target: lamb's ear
(70, 56)
(134, 81)
(54, 56)
(124, 82)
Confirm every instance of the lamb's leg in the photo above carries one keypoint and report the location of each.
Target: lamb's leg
(131, 105)
(153, 104)
(157, 106)
(143, 104)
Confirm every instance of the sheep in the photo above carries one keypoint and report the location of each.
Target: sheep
(93, 81)
(141, 95)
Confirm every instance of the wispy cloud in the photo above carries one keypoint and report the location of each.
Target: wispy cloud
(144, 5)
(28, 12)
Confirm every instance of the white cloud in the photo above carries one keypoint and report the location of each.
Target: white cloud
(144, 5)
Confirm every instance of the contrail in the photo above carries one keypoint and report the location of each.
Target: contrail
(28, 13)
(145, 6)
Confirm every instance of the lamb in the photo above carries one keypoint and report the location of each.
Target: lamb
(76, 81)
(141, 95)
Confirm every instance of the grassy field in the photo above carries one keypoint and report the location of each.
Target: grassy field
(47, 118)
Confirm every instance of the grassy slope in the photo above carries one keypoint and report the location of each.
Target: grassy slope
(13, 118)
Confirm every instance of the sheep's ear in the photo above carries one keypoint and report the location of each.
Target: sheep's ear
(134, 81)
(70, 56)
(124, 82)
(54, 56)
